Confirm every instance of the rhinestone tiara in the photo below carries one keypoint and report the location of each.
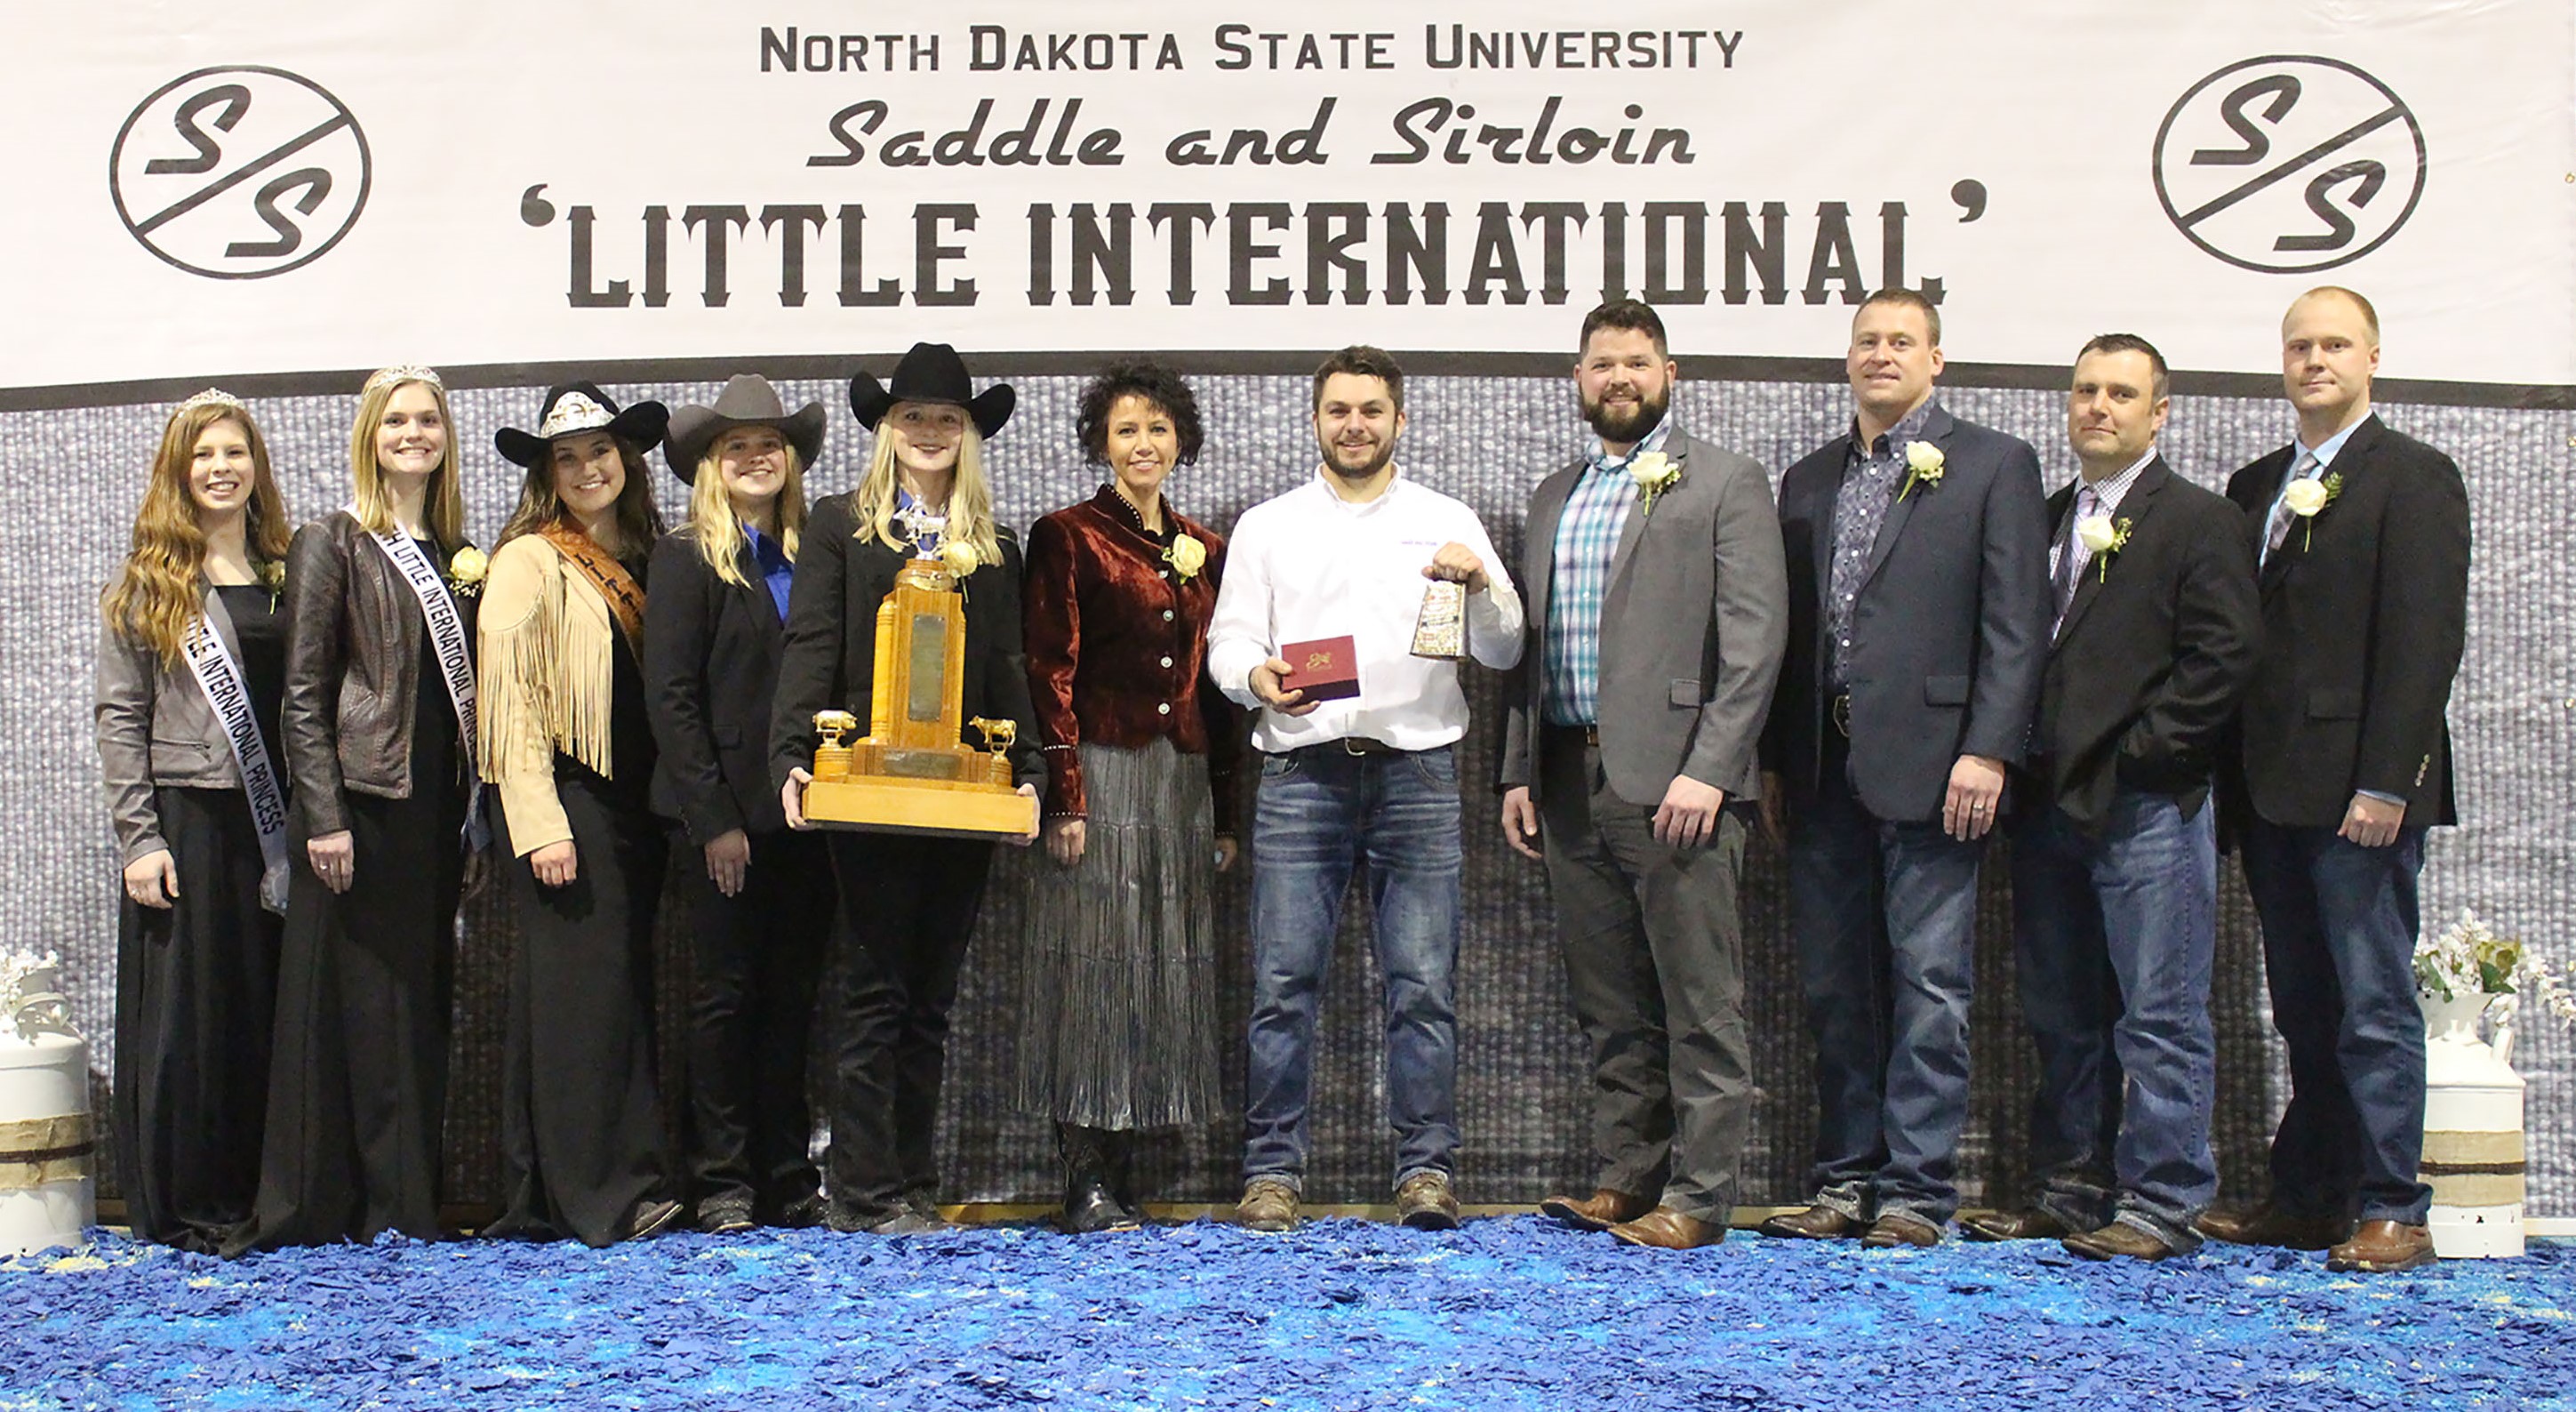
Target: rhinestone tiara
(211, 397)
(402, 373)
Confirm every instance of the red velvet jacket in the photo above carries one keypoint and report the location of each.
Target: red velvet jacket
(1117, 646)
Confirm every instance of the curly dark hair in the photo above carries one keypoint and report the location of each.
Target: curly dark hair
(1150, 381)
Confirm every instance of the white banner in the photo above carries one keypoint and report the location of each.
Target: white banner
(282, 186)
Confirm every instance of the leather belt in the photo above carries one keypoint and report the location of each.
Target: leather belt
(1353, 745)
(1591, 732)
(1840, 711)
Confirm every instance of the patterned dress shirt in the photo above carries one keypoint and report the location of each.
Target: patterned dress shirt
(1872, 474)
(1587, 535)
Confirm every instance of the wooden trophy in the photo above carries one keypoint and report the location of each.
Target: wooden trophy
(912, 773)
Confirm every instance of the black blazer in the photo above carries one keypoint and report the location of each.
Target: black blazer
(828, 655)
(2157, 646)
(1949, 631)
(710, 679)
(2365, 611)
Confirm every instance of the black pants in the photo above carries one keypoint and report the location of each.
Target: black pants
(759, 957)
(908, 905)
(581, 1130)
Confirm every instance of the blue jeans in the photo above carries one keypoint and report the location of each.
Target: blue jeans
(1321, 810)
(2112, 939)
(2339, 923)
(1884, 915)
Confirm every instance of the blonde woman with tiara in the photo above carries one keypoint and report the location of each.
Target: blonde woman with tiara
(908, 901)
(569, 753)
(190, 670)
(378, 722)
(760, 894)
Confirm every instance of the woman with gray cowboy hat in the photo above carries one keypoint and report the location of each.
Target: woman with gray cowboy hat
(569, 753)
(760, 894)
(910, 901)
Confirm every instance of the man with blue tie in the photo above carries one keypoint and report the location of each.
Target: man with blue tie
(2343, 760)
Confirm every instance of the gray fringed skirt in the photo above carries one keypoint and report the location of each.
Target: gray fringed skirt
(1119, 1021)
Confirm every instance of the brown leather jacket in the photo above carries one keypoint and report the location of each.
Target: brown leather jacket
(353, 661)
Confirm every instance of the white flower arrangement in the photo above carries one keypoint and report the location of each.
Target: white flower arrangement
(30, 1001)
(1923, 463)
(1654, 473)
(2472, 958)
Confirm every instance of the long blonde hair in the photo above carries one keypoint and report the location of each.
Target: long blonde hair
(719, 530)
(444, 501)
(970, 500)
(158, 595)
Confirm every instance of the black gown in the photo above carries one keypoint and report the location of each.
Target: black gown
(358, 1080)
(581, 1130)
(196, 986)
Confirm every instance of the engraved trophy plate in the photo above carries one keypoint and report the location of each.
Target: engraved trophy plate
(1441, 631)
(913, 772)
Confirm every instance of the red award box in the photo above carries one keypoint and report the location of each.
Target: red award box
(1326, 669)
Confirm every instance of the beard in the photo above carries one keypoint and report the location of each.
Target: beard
(1362, 473)
(1628, 427)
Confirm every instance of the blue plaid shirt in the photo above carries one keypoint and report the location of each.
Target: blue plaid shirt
(1587, 535)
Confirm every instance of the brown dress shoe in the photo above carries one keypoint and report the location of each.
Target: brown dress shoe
(2382, 1248)
(1599, 1211)
(1667, 1229)
(2033, 1224)
(2268, 1224)
(1896, 1228)
(1814, 1223)
(2118, 1239)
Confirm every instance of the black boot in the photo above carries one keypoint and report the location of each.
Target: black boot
(1088, 1206)
(1118, 1147)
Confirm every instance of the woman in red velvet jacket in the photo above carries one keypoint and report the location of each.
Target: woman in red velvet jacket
(1140, 753)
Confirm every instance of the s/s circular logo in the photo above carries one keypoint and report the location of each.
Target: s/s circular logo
(2289, 163)
(239, 173)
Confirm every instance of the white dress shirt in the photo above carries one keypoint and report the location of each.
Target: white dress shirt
(1309, 564)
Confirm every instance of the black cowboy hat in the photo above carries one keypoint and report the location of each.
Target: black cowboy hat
(581, 406)
(747, 401)
(932, 372)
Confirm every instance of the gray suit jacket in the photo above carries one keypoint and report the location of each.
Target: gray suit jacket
(1692, 625)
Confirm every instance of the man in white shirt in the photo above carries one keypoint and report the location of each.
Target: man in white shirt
(1373, 776)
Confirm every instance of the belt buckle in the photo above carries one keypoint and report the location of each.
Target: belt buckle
(1841, 713)
(1350, 746)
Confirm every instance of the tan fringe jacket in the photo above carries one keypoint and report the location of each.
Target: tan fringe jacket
(547, 683)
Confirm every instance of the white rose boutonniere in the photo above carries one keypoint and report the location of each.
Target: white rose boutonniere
(1923, 463)
(958, 557)
(2102, 539)
(1654, 473)
(466, 570)
(1186, 556)
(2308, 499)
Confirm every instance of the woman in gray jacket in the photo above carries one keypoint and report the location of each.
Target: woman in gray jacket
(191, 668)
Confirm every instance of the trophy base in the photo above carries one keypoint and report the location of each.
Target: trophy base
(929, 807)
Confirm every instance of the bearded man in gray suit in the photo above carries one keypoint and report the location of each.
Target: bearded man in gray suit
(1658, 610)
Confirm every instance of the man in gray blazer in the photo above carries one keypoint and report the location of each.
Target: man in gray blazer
(1919, 614)
(1657, 613)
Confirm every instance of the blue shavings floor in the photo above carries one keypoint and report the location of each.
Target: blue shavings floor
(1505, 1313)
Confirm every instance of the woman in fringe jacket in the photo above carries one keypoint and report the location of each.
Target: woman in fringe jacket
(760, 894)
(191, 668)
(377, 721)
(570, 756)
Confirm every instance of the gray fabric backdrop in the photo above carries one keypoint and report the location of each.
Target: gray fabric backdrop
(1485, 439)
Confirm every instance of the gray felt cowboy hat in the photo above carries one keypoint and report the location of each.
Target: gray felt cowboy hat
(932, 372)
(747, 401)
(576, 407)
